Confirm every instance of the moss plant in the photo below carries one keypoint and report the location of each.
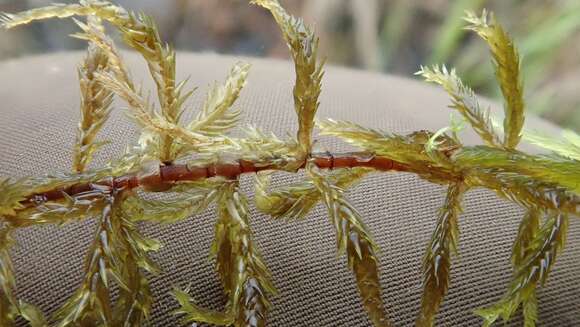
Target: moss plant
(188, 158)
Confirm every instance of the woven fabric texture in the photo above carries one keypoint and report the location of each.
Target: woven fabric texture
(39, 115)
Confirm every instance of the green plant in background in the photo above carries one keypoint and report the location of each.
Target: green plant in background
(200, 164)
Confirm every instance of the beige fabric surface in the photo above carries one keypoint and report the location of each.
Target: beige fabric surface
(38, 117)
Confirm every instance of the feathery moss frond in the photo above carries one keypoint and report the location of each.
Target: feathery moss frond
(95, 105)
(191, 198)
(80, 206)
(103, 9)
(405, 149)
(409, 149)
(140, 33)
(97, 37)
(214, 118)
(117, 253)
(526, 191)
(464, 101)
(507, 71)
(295, 201)
(143, 113)
(10, 307)
(437, 260)
(567, 146)
(258, 147)
(92, 301)
(527, 231)
(554, 170)
(133, 307)
(303, 46)
(11, 193)
(354, 239)
(244, 275)
(533, 270)
(8, 302)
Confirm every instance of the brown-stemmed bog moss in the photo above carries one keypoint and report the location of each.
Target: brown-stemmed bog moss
(200, 164)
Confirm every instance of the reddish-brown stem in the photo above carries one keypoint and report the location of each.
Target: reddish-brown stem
(168, 175)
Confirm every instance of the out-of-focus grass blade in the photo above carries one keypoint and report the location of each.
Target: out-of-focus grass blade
(450, 33)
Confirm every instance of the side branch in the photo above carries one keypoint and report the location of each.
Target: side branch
(166, 176)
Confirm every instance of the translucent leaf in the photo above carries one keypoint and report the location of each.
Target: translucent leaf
(32, 314)
(118, 253)
(567, 146)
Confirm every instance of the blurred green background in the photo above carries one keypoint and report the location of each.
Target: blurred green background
(393, 36)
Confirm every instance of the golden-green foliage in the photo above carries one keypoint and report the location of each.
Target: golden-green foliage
(118, 253)
(11, 193)
(507, 71)
(405, 149)
(464, 101)
(567, 146)
(557, 171)
(528, 230)
(95, 105)
(410, 150)
(10, 306)
(303, 46)
(243, 273)
(353, 238)
(437, 260)
(532, 270)
(77, 207)
(214, 119)
(295, 201)
(190, 199)
(8, 301)
(118, 256)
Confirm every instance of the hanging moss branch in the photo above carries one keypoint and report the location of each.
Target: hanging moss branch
(92, 301)
(527, 232)
(507, 71)
(244, 275)
(437, 260)
(532, 270)
(352, 237)
(10, 307)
